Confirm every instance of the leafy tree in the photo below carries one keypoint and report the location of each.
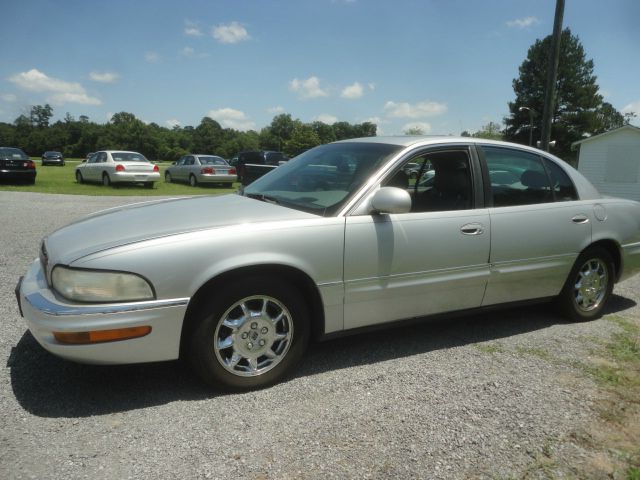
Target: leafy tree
(414, 131)
(579, 108)
(490, 131)
(303, 138)
(40, 115)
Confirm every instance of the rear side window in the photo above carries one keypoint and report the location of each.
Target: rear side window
(563, 188)
(517, 177)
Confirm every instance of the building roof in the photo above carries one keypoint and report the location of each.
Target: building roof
(624, 127)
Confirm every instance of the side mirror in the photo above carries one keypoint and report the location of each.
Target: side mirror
(391, 200)
(173, 163)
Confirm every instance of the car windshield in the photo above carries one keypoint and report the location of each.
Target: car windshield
(128, 157)
(12, 154)
(322, 179)
(212, 161)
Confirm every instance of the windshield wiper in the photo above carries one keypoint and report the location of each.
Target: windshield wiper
(263, 198)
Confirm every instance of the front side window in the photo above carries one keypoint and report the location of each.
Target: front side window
(323, 179)
(517, 177)
(436, 181)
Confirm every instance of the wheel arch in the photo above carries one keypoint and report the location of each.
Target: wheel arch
(612, 248)
(291, 275)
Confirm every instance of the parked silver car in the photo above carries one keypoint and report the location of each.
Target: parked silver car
(336, 240)
(117, 167)
(197, 169)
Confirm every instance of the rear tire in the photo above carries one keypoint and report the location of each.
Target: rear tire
(148, 185)
(106, 181)
(250, 334)
(588, 286)
(193, 181)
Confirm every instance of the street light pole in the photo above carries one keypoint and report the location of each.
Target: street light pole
(531, 112)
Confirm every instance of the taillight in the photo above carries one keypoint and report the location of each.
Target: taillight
(30, 165)
(119, 168)
(208, 170)
(156, 168)
(233, 171)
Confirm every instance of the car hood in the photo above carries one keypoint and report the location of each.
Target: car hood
(161, 218)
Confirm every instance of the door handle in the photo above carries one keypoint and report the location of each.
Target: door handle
(580, 219)
(472, 229)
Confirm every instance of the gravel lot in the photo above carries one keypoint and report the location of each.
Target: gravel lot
(479, 397)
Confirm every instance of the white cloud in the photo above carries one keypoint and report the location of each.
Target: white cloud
(231, 118)
(523, 22)
(309, 88)
(326, 118)
(192, 29)
(418, 110)
(231, 33)
(152, 57)
(422, 126)
(9, 97)
(191, 53)
(275, 110)
(372, 86)
(61, 92)
(104, 77)
(352, 92)
(173, 123)
(632, 107)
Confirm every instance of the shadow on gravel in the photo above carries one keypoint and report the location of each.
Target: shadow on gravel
(47, 386)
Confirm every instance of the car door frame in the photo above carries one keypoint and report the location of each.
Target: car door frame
(523, 270)
(375, 290)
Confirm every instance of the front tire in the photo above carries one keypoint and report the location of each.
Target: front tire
(167, 177)
(79, 178)
(250, 334)
(588, 286)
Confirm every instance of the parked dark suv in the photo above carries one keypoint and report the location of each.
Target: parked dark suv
(16, 165)
(261, 157)
(52, 158)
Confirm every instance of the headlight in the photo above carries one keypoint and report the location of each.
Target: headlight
(100, 286)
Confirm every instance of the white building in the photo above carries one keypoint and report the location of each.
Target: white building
(611, 161)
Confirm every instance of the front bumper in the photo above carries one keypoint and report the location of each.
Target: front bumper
(45, 314)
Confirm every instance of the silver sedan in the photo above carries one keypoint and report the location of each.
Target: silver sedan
(198, 169)
(336, 240)
(117, 167)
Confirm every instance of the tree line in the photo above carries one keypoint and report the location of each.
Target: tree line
(35, 133)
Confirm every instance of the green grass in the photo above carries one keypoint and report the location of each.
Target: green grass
(53, 179)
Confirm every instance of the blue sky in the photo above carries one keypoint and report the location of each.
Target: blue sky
(445, 66)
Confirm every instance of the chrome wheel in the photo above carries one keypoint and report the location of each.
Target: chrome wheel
(253, 336)
(591, 285)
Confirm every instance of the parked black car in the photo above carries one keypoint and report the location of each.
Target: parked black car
(16, 165)
(260, 157)
(52, 158)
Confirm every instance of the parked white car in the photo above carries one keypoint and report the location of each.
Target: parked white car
(336, 240)
(117, 167)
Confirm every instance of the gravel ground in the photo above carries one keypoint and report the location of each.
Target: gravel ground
(478, 397)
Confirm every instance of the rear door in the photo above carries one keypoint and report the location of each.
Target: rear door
(433, 259)
(538, 226)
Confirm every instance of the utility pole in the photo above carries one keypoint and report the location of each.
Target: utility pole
(552, 75)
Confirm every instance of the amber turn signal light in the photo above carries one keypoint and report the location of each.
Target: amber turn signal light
(100, 336)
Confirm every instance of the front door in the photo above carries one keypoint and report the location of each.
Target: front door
(433, 259)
